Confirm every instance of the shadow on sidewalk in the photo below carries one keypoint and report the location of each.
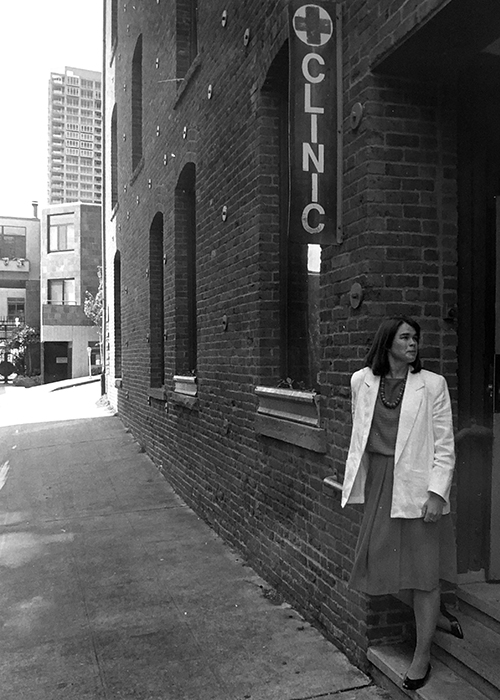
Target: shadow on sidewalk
(112, 587)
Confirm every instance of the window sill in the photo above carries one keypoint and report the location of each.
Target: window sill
(157, 393)
(187, 79)
(185, 384)
(289, 404)
(113, 51)
(137, 171)
(290, 416)
(73, 304)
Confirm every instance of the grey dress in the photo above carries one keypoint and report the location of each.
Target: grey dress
(394, 554)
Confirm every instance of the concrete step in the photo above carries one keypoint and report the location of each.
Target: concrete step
(482, 602)
(476, 658)
(390, 663)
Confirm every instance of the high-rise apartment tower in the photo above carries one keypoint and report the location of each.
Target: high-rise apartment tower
(75, 138)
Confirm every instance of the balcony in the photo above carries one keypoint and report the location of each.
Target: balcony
(17, 265)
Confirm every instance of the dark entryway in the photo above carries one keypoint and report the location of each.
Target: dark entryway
(478, 190)
(458, 50)
(56, 361)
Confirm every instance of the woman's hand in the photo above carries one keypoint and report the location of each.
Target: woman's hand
(432, 509)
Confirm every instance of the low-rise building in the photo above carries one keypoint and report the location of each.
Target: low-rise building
(19, 274)
(70, 260)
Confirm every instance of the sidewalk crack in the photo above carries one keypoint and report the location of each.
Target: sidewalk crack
(335, 693)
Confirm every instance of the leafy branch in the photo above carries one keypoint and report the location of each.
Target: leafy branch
(93, 304)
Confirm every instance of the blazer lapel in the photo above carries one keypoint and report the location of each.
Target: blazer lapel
(410, 405)
(370, 392)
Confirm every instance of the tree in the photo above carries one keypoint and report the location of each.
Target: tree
(93, 304)
(24, 340)
(93, 308)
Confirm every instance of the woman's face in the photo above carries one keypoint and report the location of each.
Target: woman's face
(404, 347)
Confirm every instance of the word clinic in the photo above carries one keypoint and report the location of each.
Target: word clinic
(311, 158)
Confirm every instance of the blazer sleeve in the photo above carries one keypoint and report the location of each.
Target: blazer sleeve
(444, 443)
(356, 380)
(353, 396)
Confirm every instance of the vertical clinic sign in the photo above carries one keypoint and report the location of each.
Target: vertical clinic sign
(313, 122)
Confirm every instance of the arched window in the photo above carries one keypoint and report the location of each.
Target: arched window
(296, 294)
(114, 158)
(117, 295)
(186, 25)
(114, 24)
(137, 104)
(185, 271)
(156, 303)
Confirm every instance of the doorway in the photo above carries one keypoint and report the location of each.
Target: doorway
(56, 361)
(459, 46)
(478, 450)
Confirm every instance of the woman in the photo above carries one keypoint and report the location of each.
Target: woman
(401, 460)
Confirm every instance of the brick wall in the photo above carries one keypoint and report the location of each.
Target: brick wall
(265, 496)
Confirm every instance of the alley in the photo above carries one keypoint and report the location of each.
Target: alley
(112, 588)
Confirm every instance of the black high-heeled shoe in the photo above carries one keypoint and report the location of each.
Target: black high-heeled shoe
(455, 627)
(416, 683)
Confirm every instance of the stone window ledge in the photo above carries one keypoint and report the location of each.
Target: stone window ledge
(113, 51)
(185, 384)
(290, 416)
(184, 82)
(185, 391)
(137, 170)
(157, 393)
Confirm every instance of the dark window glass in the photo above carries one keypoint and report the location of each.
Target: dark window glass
(61, 291)
(186, 34)
(15, 308)
(114, 159)
(297, 294)
(118, 315)
(137, 104)
(156, 303)
(12, 242)
(185, 279)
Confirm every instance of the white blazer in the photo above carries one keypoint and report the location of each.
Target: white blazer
(425, 448)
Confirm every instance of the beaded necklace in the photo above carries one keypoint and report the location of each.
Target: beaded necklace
(397, 400)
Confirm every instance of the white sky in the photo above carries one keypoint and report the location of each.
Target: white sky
(37, 37)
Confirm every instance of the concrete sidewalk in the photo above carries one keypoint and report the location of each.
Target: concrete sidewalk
(111, 587)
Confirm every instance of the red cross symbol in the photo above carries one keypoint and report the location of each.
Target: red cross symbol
(313, 25)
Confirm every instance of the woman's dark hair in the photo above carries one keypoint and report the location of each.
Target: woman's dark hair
(378, 355)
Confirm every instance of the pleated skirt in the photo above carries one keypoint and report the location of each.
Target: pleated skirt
(394, 554)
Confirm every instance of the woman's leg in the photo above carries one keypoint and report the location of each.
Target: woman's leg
(426, 611)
